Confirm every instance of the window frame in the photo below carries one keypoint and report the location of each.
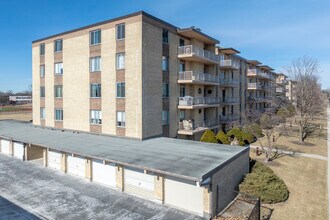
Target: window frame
(166, 90)
(122, 123)
(61, 114)
(42, 113)
(118, 67)
(99, 87)
(123, 31)
(43, 68)
(91, 64)
(55, 91)
(61, 69)
(165, 39)
(95, 120)
(55, 46)
(121, 92)
(42, 92)
(42, 49)
(98, 38)
(165, 63)
(165, 121)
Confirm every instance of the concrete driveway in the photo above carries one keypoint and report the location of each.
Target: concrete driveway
(29, 191)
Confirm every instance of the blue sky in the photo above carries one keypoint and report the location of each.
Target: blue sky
(273, 31)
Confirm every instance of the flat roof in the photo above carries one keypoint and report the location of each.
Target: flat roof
(253, 62)
(185, 159)
(228, 50)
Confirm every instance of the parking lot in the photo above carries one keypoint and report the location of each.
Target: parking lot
(29, 191)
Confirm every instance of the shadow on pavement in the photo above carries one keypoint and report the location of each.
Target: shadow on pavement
(9, 210)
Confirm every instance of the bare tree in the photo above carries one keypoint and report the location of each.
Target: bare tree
(309, 100)
(268, 125)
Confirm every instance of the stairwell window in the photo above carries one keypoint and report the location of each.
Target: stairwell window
(120, 61)
(95, 64)
(165, 63)
(121, 119)
(42, 113)
(120, 90)
(95, 90)
(42, 49)
(58, 91)
(96, 117)
(42, 92)
(42, 70)
(58, 45)
(59, 68)
(165, 90)
(120, 30)
(165, 117)
(95, 37)
(58, 114)
(165, 36)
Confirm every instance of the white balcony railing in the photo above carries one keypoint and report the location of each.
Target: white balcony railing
(190, 50)
(254, 86)
(229, 64)
(256, 72)
(189, 125)
(191, 101)
(194, 76)
(229, 82)
(279, 89)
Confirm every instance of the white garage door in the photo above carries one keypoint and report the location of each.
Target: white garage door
(19, 150)
(139, 183)
(5, 146)
(104, 173)
(184, 195)
(76, 165)
(54, 159)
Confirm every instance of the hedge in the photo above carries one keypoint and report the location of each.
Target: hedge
(209, 137)
(222, 138)
(262, 182)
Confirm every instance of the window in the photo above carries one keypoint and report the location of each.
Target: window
(120, 61)
(182, 67)
(42, 113)
(165, 90)
(182, 115)
(95, 37)
(95, 90)
(121, 90)
(42, 92)
(58, 45)
(165, 118)
(58, 91)
(42, 70)
(164, 63)
(96, 117)
(120, 29)
(181, 42)
(121, 119)
(165, 36)
(95, 64)
(58, 68)
(182, 91)
(42, 49)
(58, 114)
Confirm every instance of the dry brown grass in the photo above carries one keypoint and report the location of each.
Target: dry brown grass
(307, 183)
(23, 116)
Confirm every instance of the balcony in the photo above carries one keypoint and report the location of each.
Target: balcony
(255, 99)
(196, 54)
(229, 82)
(189, 102)
(267, 87)
(260, 74)
(279, 90)
(254, 86)
(229, 64)
(188, 127)
(198, 78)
(228, 118)
(230, 100)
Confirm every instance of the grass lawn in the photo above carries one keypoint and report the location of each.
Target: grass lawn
(306, 179)
(22, 116)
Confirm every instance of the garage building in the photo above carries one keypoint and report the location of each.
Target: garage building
(196, 177)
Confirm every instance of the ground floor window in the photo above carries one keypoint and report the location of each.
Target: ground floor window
(59, 114)
(96, 117)
(121, 119)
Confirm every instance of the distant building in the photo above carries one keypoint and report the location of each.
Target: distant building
(20, 99)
